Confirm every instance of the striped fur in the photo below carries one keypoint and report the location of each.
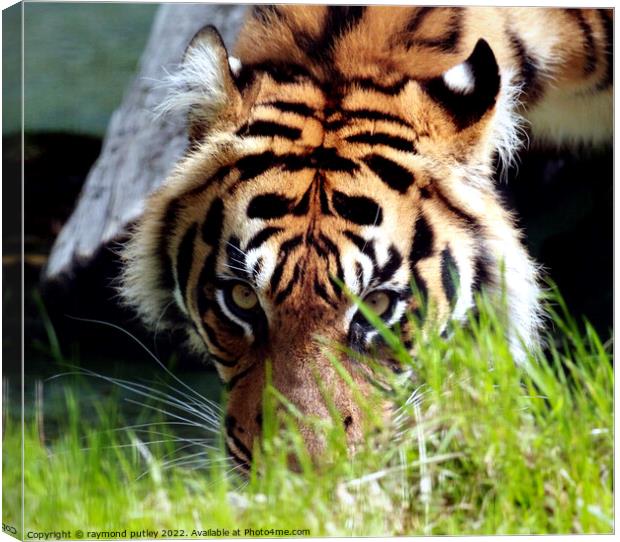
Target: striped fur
(355, 145)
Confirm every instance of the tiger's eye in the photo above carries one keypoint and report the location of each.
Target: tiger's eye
(244, 297)
(379, 302)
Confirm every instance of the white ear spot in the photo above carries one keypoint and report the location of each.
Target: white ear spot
(460, 78)
(235, 65)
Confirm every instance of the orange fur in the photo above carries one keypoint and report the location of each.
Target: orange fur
(339, 114)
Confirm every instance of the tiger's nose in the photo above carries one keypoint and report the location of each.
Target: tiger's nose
(240, 440)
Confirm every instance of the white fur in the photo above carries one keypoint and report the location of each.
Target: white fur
(460, 78)
(270, 259)
(200, 80)
(507, 129)
(503, 241)
(465, 298)
(351, 279)
(235, 65)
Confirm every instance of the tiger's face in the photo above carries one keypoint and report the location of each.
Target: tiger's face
(295, 194)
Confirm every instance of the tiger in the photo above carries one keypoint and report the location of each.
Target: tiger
(353, 152)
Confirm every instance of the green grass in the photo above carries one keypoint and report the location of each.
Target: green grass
(486, 447)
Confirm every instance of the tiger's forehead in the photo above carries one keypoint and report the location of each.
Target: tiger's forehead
(344, 132)
(321, 189)
(311, 114)
(309, 188)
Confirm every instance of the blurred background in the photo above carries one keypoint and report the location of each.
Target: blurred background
(79, 60)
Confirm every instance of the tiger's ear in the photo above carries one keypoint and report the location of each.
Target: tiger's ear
(470, 89)
(207, 74)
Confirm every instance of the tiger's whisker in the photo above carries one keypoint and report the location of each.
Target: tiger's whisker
(153, 394)
(171, 414)
(158, 323)
(235, 268)
(143, 346)
(236, 248)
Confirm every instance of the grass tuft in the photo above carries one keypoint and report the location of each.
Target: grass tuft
(479, 445)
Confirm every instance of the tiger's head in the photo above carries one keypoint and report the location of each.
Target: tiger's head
(294, 186)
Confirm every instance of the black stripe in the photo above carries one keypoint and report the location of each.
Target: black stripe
(168, 224)
(394, 175)
(280, 72)
(255, 164)
(357, 240)
(385, 273)
(447, 43)
(331, 247)
(365, 247)
(217, 177)
(230, 326)
(325, 210)
(471, 222)
(366, 114)
(423, 239)
(303, 206)
(420, 14)
(261, 237)
(268, 206)
(357, 209)
(257, 269)
(589, 45)
(276, 277)
(421, 289)
(285, 250)
(449, 275)
(185, 258)
(211, 335)
(529, 69)
(291, 107)
(241, 447)
(289, 287)
(222, 361)
(231, 423)
(207, 275)
(338, 21)
(321, 158)
(329, 244)
(212, 226)
(482, 270)
(306, 42)
(239, 460)
(367, 83)
(356, 338)
(271, 129)
(290, 244)
(425, 193)
(322, 293)
(326, 159)
(378, 138)
(239, 376)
